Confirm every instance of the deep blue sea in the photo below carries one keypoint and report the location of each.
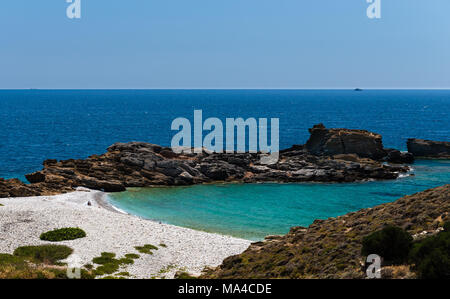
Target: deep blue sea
(60, 124)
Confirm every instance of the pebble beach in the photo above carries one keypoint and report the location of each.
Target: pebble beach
(22, 220)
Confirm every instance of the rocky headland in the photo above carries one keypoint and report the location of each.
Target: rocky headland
(332, 248)
(330, 155)
(429, 148)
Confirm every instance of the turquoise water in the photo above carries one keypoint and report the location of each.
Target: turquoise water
(253, 211)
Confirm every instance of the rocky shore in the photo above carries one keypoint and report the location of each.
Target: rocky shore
(429, 149)
(330, 155)
(332, 248)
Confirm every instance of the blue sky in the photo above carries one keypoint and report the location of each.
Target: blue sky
(225, 44)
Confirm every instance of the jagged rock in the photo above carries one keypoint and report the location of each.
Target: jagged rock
(140, 164)
(329, 142)
(396, 156)
(35, 177)
(428, 148)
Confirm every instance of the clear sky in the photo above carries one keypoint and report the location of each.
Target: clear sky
(224, 44)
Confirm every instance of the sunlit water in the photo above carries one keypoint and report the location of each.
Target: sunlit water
(253, 211)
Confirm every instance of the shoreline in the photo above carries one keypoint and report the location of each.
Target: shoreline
(22, 220)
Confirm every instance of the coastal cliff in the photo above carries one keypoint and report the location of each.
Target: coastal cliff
(332, 248)
(331, 155)
(429, 148)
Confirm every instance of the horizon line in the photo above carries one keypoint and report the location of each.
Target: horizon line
(350, 88)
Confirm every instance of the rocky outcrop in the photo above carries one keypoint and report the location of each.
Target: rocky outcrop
(332, 248)
(139, 164)
(16, 188)
(331, 155)
(328, 142)
(365, 144)
(428, 148)
(396, 156)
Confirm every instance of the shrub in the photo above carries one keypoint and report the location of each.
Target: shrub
(391, 243)
(146, 248)
(126, 261)
(109, 264)
(107, 269)
(113, 277)
(132, 256)
(431, 256)
(45, 253)
(447, 226)
(63, 234)
(108, 255)
(184, 275)
(101, 260)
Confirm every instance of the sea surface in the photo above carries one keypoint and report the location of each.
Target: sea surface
(253, 211)
(61, 124)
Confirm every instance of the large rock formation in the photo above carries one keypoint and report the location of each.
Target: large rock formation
(331, 155)
(332, 248)
(365, 144)
(139, 164)
(428, 148)
(330, 142)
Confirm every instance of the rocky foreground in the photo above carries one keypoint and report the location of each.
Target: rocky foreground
(332, 248)
(330, 155)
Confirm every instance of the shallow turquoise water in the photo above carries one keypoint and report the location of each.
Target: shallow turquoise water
(253, 211)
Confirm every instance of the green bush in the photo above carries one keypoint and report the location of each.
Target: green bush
(132, 256)
(101, 260)
(431, 256)
(50, 254)
(126, 261)
(63, 234)
(109, 264)
(147, 248)
(107, 269)
(184, 275)
(447, 226)
(391, 243)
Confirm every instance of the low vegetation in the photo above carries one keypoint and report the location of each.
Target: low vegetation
(109, 264)
(63, 234)
(45, 261)
(431, 256)
(392, 243)
(47, 254)
(133, 256)
(147, 249)
(184, 275)
(37, 262)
